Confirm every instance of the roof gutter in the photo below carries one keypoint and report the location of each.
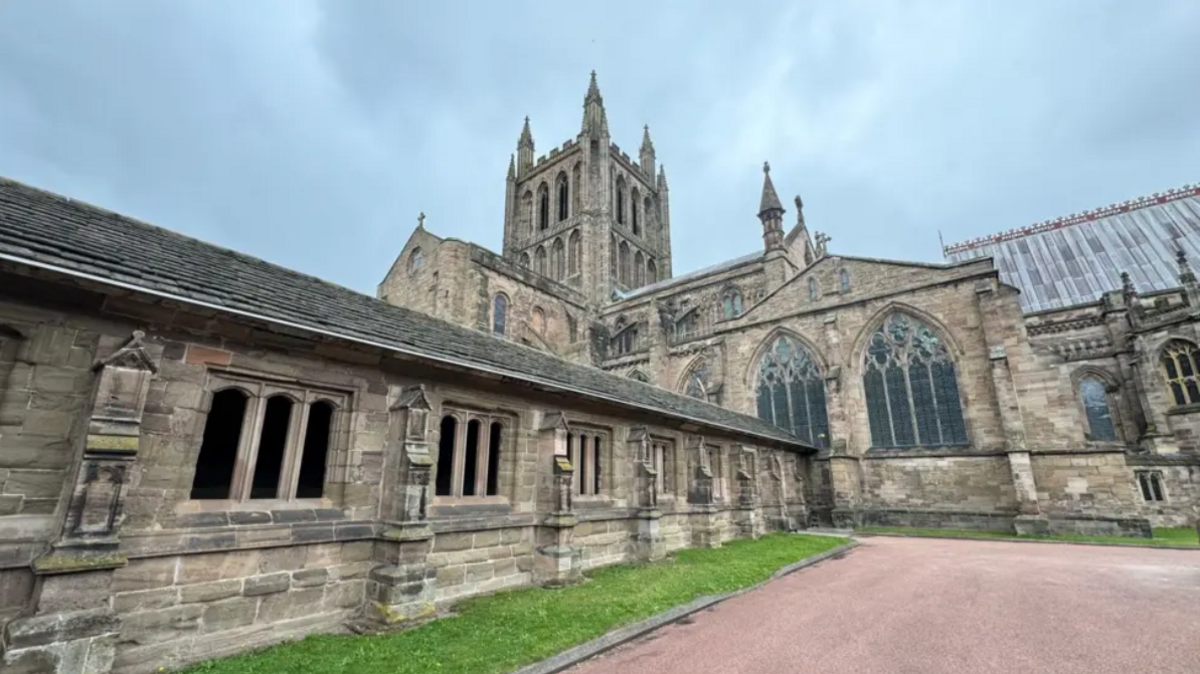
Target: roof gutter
(366, 342)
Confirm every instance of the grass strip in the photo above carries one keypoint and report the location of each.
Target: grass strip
(499, 633)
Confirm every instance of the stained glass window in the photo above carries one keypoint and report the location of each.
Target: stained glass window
(698, 381)
(1095, 405)
(732, 303)
(499, 314)
(1181, 362)
(911, 387)
(791, 391)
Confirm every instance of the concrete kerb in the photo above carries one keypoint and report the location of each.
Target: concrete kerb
(1014, 539)
(573, 656)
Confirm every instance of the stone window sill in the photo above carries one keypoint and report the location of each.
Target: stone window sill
(1191, 408)
(264, 504)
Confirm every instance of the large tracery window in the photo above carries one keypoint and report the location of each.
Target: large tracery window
(911, 387)
(1181, 362)
(698, 384)
(1094, 393)
(791, 391)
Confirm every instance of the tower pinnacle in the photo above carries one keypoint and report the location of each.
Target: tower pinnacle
(595, 120)
(525, 149)
(647, 152)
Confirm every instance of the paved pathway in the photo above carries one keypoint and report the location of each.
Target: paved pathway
(926, 606)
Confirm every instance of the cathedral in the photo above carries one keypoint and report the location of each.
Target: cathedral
(1049, 372)
(202, 453)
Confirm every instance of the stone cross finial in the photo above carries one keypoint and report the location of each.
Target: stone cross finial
(421, 220)
(820, 241)
(799, 203)
(766, 167)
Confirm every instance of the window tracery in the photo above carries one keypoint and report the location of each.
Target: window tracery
(911, 387)
(791, 391)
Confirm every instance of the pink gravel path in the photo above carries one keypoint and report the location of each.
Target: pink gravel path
(927, 606)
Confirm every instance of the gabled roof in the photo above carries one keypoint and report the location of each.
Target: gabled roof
(691, 276)
(1076, 259)
(45, 230)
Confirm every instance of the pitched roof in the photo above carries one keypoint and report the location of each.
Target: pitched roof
(43, 229)
(1076, 259)
(690, 276)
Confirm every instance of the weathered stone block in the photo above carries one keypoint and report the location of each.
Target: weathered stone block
(282, 559)
(212, 591)
(345, 595)
(452, 542)
(310, 577)
(249, 517)
(268, 584)
(47, 629)
(163, 625)
(230, 613)
(143, 574)
(295, 604)
(34, 483)
(218, 566)
(145, 600)
(451, 575)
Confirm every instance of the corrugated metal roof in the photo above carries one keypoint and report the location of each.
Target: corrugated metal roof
(1077, 258)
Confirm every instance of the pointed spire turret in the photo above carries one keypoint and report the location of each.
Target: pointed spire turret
(662, 177)
(595, 120)
(770, 211)
(525, 148)
(769, 204)
(647, 152)
(512, 168)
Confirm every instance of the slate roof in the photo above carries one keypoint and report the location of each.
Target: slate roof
(1076, 259)
(46, 229)
(691, 276)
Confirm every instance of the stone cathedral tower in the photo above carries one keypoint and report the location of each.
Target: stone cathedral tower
(587, 215)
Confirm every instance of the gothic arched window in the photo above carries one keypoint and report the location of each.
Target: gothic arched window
(648, 212)
(1181, 363)
(651, 271)
(416, 260)
(634, 198)
(576, 187)
(698, 382)
(564, 197)
(499, 313)
(558, 259)
(731, 303)
(1094, 394)
(620, 204)
(623, 275)
(525, 260)
(574, 253)
(543, 206)
(844, 280)
(539, 260)
(911, 387)
(814, 292)
(791, 391)
(527, 213)
(639, 270)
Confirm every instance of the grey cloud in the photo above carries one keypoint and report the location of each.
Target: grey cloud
(310, 133)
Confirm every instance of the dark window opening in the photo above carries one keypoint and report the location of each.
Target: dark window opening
(272, 442)
(596, 465)
(564, 199)
(580, 462)
(499, 314)
(543, 209)
(445, 460)
(311, 483)
(471, 458)
(493, 469)
(219, 448)
(1150, 483)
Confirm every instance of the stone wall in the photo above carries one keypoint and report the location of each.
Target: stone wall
(184, 578)
(968, 483)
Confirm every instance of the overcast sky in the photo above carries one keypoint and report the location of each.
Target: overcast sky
(311, 133)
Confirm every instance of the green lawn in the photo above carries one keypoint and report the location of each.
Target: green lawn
(1162, 536)
(502, 632)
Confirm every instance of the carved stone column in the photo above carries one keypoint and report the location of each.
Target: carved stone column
(73, 629)
(749, 519)
(402, 588)
(649, 544)
(556, 561)
(700, 496)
